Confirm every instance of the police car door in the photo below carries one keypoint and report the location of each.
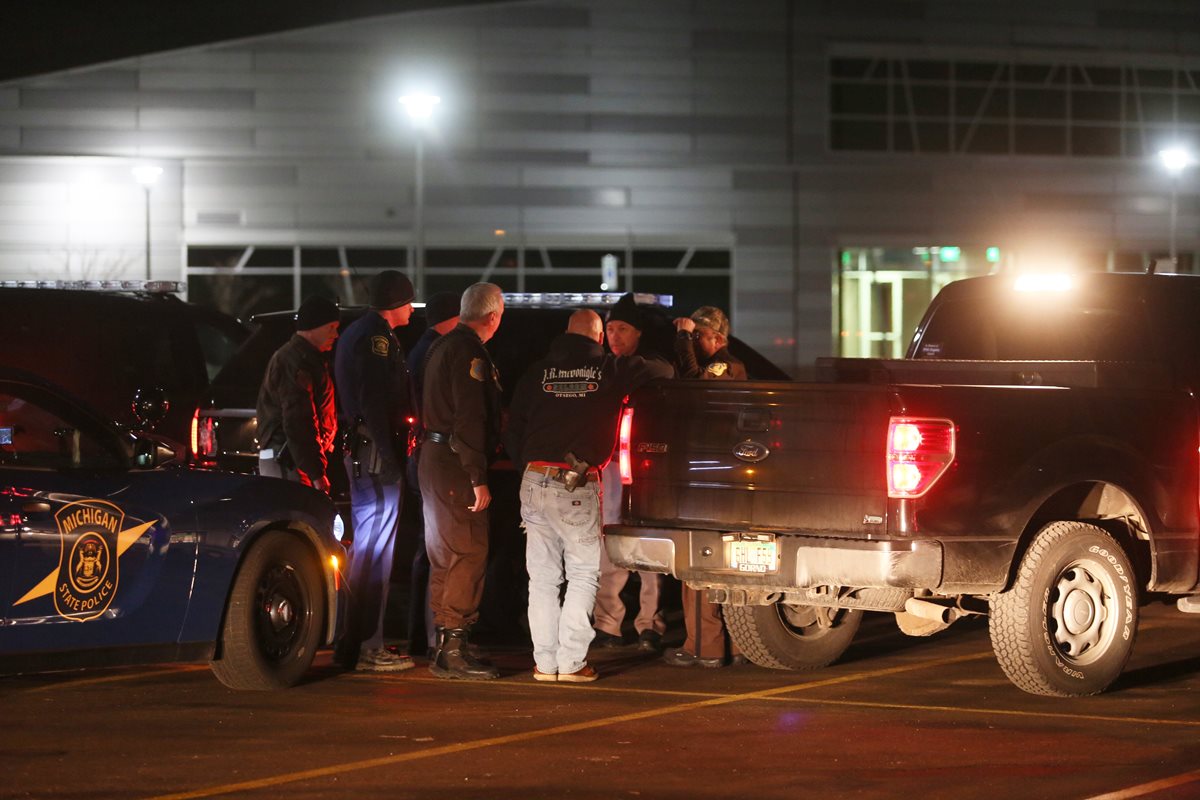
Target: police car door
(88, 561)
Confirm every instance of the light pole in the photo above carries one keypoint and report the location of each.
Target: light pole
(1175, 160)
(147, 175)
(420, 107)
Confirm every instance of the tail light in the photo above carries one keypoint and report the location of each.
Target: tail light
(919, 451)
(623, 449)
(204, 440)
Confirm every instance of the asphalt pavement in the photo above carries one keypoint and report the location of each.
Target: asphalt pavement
(896, 717)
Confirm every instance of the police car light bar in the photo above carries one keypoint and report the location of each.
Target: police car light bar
(150, 287)
(584, 299)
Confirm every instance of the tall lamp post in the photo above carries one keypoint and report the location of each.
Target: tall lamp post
(1175, 160)
(147, 175)
(420, 108)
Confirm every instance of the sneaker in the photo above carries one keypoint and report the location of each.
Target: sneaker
(607, 640)
(650, 641)
(585, 674)
(538, 675)
(381, 660)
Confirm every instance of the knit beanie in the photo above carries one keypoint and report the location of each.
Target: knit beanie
(626, 310)
(316, 311)
(389, 289)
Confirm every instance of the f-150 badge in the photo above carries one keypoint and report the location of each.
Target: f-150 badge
(751, 451)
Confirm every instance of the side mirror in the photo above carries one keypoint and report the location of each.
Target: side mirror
(149, 453)
(150, 405)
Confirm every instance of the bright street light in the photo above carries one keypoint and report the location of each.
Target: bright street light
(147, 175)
(1175, 160)
(420, 107)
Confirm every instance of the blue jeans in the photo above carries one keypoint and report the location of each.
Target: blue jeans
(562, 540)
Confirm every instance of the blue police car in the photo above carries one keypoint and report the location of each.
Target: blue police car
(113, 551)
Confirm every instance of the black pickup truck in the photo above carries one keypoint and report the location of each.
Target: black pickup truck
(1033, 458)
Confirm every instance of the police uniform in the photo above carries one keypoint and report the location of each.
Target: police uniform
(461, 407)
(297, 419)
(564, 412)
(373, 388)
(422, 639)
(705, 643)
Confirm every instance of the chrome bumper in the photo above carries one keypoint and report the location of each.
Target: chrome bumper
(805, 561)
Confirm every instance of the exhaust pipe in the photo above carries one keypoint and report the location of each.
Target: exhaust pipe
(931, 611)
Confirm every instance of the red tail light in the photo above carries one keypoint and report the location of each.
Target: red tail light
(919, 451)
(204, 440)
(623, 449)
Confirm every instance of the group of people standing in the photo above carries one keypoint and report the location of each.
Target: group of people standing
(439, 409)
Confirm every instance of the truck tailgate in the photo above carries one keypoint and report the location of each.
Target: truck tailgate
(760, 456)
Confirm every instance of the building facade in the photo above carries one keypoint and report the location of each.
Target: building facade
(819, 168)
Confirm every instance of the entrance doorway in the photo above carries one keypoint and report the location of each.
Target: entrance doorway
(883, 292)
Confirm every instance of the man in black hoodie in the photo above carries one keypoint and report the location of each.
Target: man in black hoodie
(562, 423)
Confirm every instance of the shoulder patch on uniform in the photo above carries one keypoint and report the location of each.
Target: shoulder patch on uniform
(478, 372)
(379, 345)
(717, 368)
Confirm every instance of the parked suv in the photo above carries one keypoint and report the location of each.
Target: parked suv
(109, 340)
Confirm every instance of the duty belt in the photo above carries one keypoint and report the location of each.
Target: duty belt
(557, 471)
(439, 438)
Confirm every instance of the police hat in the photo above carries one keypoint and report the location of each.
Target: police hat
(389, 289)
(441, 307)
(316, 311)
(626, 310)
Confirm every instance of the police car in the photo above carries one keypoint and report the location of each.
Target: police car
(112, 551)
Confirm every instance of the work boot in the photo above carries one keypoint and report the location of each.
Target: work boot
(454, 660)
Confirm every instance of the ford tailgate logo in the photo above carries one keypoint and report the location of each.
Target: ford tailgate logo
(751, 451)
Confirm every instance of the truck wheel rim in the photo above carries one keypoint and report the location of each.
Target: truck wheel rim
(1082, 612)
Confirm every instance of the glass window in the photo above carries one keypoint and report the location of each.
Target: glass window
(35, 437)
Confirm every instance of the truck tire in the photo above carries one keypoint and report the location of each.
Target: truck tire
(792, 637)
(273, 617)
(1067, 625)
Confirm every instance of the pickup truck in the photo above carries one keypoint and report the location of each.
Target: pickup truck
(1033, 458)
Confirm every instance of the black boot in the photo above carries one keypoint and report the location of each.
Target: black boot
(454, 660)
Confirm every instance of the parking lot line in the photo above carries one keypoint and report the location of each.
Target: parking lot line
(541, 733)
(50, 687)
(1149, 788)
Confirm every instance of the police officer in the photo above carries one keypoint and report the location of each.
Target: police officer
(297, 419)
(441, 317)
(562, 424)
(373, 386)
(461, 404)
(624, 331)
(701, 344)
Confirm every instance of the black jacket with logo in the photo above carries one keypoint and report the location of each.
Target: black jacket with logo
(722, 366)
(296, 407)
(461, 399)
(570, 401)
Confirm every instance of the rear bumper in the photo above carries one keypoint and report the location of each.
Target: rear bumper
(805, 561)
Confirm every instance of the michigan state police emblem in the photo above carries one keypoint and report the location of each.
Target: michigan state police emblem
(89, 563)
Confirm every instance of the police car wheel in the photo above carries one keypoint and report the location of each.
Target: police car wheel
(273, 618)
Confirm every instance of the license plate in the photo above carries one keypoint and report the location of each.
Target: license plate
(758, 554)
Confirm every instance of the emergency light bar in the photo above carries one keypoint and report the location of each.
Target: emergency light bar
(151, 287)
(584, 299)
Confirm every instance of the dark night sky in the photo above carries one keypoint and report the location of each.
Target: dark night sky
(39, 36)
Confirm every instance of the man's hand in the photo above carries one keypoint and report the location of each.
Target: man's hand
(483, 498)
(685, 324)
(321, 485)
